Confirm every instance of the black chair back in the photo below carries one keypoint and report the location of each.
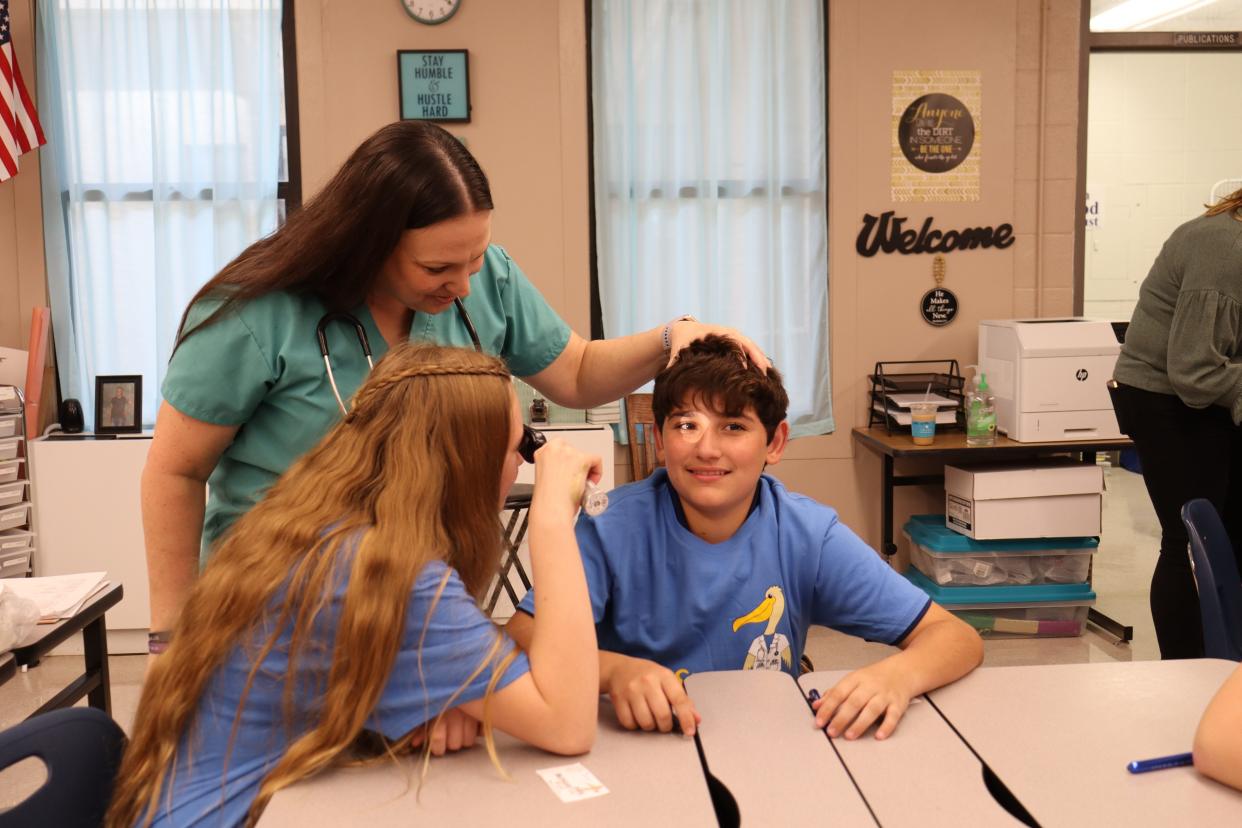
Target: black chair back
(81, 747)
(1217, 579)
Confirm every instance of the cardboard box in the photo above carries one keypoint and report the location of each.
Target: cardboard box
(1046, 500)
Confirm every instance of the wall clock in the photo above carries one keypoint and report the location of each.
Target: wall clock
(431, 12)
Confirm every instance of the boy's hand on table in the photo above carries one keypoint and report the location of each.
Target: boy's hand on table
(454, 731)
(648, 696)
(862, 698)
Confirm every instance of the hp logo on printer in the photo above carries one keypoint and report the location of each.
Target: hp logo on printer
(1081, 375)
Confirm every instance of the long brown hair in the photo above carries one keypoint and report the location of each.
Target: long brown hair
(1231, 203)
(407, 175)
(414, 469)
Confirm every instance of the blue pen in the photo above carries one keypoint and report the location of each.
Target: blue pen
(1177, 760)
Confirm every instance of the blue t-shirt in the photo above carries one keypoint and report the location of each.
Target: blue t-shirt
(661, 593)
(213, 786)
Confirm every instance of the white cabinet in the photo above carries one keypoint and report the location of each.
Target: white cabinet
(589, 437)
(90, 519)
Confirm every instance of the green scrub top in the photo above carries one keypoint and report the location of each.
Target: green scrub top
(259, 366)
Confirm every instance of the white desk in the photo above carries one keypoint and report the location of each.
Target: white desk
(653, 779)
(1059, 736)
(922, 775)
(760, 741)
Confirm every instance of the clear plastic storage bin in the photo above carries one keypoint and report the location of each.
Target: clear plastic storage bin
(1042, 611)
(10, 425)
(8, 448)
(12, 539)
(950, 559)
(12, 493)
(10, 470)
(12, 517)
(15, 563)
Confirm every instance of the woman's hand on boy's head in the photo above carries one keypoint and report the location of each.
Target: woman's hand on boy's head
(685, 331)
(880, 692)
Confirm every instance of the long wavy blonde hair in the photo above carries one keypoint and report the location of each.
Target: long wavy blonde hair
(414, 469)
(1231, 203)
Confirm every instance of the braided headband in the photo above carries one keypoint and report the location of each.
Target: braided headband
(422, 371)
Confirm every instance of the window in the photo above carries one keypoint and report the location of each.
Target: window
(710, 182)
(165, 152)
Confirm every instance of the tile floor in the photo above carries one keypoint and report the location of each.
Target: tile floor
(1123, 567)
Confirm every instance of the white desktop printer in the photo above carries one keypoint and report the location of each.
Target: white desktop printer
(1049, 377)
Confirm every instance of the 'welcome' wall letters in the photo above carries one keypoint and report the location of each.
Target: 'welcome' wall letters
(886, 234)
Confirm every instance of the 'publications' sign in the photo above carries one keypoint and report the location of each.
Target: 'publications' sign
(1201, 39)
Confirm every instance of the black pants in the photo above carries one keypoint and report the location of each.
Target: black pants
(1185, 453)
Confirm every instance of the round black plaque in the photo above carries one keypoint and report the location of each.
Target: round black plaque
(939, 307)
(936, 132)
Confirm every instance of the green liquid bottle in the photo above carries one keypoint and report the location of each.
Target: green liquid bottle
(980, 414)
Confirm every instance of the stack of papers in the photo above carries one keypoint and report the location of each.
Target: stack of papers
(899, 407)
(57, 596)
(610, 413)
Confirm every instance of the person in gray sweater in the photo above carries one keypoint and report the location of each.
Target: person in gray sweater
(1179, 397)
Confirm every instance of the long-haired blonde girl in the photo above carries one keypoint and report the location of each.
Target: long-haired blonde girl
(346, 602)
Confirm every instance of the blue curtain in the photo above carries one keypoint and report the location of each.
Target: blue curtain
(164, 148)
(710, 177)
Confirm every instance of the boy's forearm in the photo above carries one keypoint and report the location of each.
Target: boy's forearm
(942, 653)
(521, 628)
(608, 662)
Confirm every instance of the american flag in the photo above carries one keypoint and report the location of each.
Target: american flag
(19, 123)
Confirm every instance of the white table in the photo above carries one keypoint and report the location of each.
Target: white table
(760, 741)
(652, 778)
(1059, 736)
(922, 774)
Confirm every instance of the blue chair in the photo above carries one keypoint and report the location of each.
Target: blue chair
(1216, 577)
(81, 747)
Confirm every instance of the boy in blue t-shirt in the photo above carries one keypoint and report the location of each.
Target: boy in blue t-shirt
(709, 564)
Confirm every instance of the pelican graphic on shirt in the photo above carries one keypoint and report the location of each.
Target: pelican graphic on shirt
(770, 649)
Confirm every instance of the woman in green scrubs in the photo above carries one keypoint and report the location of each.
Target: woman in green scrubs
(399, 233)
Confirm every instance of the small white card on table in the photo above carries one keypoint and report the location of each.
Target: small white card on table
(572, 782)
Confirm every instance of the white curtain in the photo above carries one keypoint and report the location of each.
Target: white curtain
(710, 176)
(164, 145)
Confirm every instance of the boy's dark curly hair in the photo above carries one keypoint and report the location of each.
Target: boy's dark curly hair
(715, 370)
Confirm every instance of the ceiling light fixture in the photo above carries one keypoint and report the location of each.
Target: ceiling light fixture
(1142, 14)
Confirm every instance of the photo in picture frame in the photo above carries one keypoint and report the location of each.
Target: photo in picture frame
(118, 404)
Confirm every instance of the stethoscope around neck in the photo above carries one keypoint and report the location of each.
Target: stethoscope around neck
(594, 501)
(321, 333)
